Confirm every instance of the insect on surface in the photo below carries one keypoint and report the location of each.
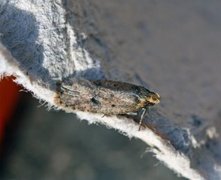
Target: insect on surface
(105, 97)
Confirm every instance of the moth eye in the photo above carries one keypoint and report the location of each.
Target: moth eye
(154, 98)
(113, 105)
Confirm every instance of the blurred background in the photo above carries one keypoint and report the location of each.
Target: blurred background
(41, 144)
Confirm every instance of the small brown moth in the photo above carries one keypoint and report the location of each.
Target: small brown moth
(106, 97)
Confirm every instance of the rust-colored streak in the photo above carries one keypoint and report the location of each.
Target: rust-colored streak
(9, 95)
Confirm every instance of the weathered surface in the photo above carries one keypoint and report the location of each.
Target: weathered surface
(170, 47)
(174, 48)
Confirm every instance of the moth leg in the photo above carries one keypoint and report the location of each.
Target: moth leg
(142, 112)
(132, 114)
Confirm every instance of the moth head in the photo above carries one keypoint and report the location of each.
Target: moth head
(152, 98)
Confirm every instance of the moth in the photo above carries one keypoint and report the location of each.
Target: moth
(105, 97)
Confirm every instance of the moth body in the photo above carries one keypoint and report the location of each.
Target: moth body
(104, 97)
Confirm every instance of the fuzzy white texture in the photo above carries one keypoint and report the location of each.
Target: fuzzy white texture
(62, 57)
(59, 54)
(9, 66)
(160, 147)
